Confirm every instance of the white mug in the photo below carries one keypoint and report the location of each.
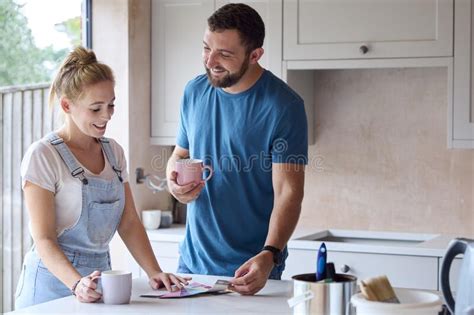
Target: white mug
(151, 219)
(116, 286)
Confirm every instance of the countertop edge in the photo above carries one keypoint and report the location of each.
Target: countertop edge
(432, 248)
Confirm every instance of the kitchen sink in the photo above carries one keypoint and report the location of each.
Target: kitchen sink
(369, 237)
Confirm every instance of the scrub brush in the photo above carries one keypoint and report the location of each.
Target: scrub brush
(378, 289)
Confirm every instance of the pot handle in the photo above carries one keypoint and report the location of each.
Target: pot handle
(456, 246)
(308, 295)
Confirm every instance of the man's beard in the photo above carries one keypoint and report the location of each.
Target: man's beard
(229, 79)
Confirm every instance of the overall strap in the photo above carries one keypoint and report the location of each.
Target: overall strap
(105, 142)
(66, 155)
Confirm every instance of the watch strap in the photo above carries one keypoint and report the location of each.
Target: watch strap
(276, 253)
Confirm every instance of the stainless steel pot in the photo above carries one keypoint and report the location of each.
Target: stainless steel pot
(311, 297)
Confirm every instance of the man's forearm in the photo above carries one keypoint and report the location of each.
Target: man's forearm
(288, 186)
(282, 223)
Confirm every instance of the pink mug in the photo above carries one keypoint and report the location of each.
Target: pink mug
(190, 170)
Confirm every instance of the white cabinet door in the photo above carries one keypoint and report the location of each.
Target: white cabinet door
(461, 122)
(177, 31)
(167, 254)
(271, 13)
(338, 29)
(403, 271)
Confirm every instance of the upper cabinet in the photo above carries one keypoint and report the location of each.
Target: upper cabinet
(322, 34)
(270, 11)
(461, 120)
(176, 48)
(177, 32)
(364, 29)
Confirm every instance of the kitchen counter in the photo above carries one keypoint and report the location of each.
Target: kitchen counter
(174, 233)
(410, 260)
(434, 247)
(271, 299)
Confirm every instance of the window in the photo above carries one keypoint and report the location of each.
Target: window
(37, 35)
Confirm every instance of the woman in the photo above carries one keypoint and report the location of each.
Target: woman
(76, 191)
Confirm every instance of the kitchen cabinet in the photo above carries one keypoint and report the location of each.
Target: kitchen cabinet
(165, 245)
(404, 271)
(461, 113)
(271, 13)
(167, 254)
(177, 31)
(176, 47)
(366, 29)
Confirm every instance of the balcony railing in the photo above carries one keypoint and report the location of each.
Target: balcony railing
(24, 119)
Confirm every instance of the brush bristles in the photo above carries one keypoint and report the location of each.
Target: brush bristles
(378, 289)
(367, 292)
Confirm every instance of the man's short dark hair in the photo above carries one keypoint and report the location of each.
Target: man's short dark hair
(244, 19)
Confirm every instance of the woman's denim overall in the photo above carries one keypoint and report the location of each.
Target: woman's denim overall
(86, 243)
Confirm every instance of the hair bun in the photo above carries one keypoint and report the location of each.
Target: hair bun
(81, 57)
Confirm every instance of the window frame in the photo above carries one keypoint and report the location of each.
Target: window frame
(87, 23)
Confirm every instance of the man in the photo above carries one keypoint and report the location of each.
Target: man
(251, 128)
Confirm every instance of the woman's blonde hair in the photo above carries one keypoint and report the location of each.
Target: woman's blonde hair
(79, 69)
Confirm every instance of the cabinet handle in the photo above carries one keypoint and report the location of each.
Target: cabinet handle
(345, 268)
(363, 49)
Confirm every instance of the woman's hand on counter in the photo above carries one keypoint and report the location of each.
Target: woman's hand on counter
(85, 290)
(252, 276)
(167, 280)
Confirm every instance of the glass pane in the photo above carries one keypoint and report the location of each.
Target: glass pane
(36, 36)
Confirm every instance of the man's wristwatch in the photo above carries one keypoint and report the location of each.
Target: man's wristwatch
(277, 255)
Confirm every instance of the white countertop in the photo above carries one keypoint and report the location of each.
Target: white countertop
(271, 299)
(436, 247)
(174, 233)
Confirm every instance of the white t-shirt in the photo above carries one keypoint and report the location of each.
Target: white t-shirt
(43, 166)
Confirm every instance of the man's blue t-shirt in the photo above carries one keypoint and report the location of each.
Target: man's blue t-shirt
(240, 136)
